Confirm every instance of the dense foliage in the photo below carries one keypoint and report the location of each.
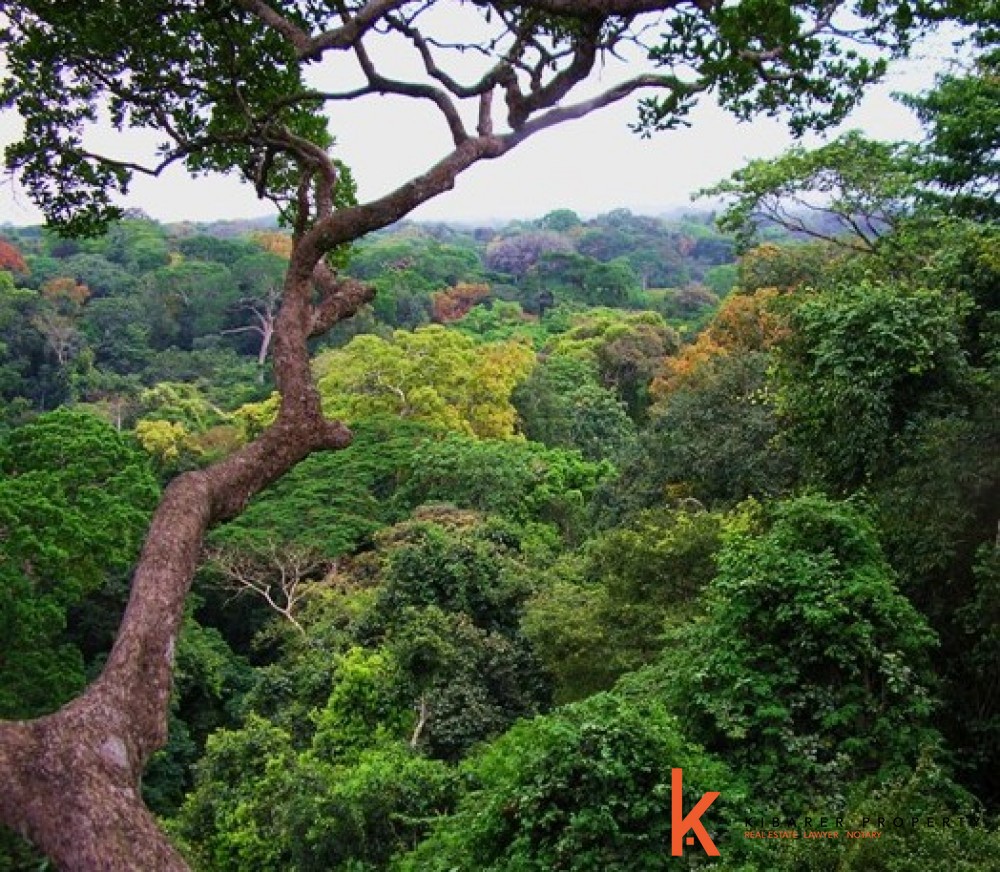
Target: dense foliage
(627, 505)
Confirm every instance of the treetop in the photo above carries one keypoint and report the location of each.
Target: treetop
(230, 85)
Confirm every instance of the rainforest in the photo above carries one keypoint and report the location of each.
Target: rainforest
(341, 541)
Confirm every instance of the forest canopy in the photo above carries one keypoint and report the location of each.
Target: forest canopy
(347, 543)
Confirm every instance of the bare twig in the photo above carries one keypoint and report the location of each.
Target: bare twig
(278, 574)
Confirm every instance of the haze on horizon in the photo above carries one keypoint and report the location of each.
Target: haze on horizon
(591, 166)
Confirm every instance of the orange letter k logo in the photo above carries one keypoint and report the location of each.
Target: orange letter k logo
(680, 825)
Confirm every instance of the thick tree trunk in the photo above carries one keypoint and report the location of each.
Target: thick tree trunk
(70, 790)
(70, 780)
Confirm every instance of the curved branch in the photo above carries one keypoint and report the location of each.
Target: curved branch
(379, 84)
(520, 107)
(339, 298)
(317, 169)
(343, 37)
(87, 758)
(561, 114)
(348, 224)
(132, 166)
(423, 47)
(776, 212)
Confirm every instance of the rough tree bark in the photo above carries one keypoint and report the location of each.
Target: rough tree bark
(71, 779)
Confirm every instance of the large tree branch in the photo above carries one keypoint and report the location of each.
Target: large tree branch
(339, 298)
(312, 47)
(348, 224)
(562, 114)
(379, 84)
(87, 758)
(520, 106)
(434, 70)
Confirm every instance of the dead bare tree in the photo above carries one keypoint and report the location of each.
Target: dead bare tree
(263, 312)
(60, 332)
(277, 573)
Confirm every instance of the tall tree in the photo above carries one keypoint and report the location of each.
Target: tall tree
(805, 601)
(849, 192)
(224, 86)
(962, 150)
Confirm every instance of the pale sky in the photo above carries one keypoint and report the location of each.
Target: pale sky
(591, 166)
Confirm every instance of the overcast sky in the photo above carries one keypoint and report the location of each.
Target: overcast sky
(592, 165)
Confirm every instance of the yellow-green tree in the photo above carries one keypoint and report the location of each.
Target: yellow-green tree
(431, 374)
(627, 348)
